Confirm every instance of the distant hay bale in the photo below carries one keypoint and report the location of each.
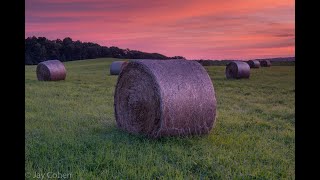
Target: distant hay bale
(237, 70)
(117, 66)
(165, 98)
(254, 63)
(51, 70)
(265, 63)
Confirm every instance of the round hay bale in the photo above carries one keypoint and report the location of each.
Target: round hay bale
(51, 70)
(165, 98)
(265, 63)
(117, 66)
(237, 70)
(254, 64)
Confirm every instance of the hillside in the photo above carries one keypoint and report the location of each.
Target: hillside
(38, 49)
(70, 128)
(281, 61)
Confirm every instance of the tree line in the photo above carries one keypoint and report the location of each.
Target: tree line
(281, 61)
(38, 49)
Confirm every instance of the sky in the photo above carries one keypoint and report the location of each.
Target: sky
(195, 29)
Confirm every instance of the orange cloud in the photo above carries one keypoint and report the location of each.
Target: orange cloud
(211, 29)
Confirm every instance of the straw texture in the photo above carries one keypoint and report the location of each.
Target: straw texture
(165, 98)
(51, 70)
(237, 70)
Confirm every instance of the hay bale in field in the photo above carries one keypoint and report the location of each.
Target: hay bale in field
(165, 98)
(117, 66)
(51, 70)
(254, 64)
(265, 63)
(237, 70)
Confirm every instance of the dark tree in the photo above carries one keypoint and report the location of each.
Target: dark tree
(41, 49)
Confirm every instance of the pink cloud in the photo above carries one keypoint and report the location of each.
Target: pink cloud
(211, 29)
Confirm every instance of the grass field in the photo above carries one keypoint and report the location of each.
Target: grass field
(70, 130)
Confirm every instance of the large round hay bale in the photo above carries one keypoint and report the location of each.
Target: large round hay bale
(117, 66)
(165, 98)
(254, 63)
(237, 70)
(51, 70)
(265, 63)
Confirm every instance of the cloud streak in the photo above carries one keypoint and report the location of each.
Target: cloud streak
(209, 29)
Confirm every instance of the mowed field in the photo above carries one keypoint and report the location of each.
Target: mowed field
(70, 128)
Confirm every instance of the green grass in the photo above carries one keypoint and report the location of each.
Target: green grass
(70, 129)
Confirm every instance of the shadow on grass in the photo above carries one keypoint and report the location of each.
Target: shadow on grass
(117, 135)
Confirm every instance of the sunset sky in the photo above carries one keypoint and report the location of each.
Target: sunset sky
(195, 29)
